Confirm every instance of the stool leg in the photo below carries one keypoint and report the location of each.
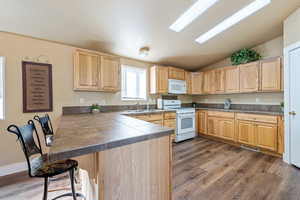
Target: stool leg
(72, 183)
(45, 188)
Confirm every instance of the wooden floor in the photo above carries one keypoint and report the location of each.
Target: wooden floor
(204, 170)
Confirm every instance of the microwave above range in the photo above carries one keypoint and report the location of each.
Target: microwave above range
(177, 86)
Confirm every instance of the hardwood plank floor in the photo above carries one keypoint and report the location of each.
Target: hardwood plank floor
(204, 170)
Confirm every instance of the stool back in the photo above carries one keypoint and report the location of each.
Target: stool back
(46, 126)
(26, 139)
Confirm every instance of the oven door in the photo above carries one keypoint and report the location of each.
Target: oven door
(185, 123)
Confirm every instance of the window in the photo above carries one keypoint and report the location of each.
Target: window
(133, 83)
(1, 87)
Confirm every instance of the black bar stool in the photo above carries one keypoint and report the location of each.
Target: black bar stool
(47, 129)
(38, 165)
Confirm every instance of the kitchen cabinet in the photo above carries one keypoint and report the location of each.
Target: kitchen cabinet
(94, 72)
(170, 123)
(209, 82)
(202, 121)
(232, 79)
(281, 135)
(249, 77)
(270, 74)
(246, 133)
(188, 79)
(266, 136)
(197, 81)
(212, 126)
(159, 80)
(110, 73)
(219, 80)
(176, 73)
(86, 71)
(226, 129)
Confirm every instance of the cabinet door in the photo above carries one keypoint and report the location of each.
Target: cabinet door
(110, 73)
(202, 119)
(219, 81)
(280, 142)
(270, 75)
(266, 136)
(86, 71)
(209, 82)
(246, 133)
(249, 77)
(226, 129)
(159, 80)
(176, 73)
(188, 78)
(212, 126)
(232, 79)
(197, 82)
(170, 123)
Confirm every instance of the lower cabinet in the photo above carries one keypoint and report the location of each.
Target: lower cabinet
(202, 121)
(212, 126)
(246, 132)
(226, 129)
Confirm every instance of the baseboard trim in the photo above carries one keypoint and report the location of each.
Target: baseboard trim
(13, 168)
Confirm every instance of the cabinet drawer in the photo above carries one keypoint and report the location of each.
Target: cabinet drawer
(220, 114)
(155, 117)
(257, 118)
(158, 122)
(170, 115)
(170, 123)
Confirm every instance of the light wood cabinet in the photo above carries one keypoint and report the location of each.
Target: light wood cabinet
(226, 129)
(281, 135)
(197, 82)
(170, 123)
(232, 79)
(94, 72)
(270, 75)
(159, 80)
(212, 126)
(267, 136)
(176, 73)
(202, 121)
(110, 73)
(86, 71)
(246, 133)
(249, 77)
(209, 82)
(188, 79)
(219, 80)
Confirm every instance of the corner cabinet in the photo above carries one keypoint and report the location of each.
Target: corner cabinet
(94, 72)
(159, 80)
(196, 83)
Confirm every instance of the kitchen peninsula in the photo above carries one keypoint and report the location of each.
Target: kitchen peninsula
(121, 157)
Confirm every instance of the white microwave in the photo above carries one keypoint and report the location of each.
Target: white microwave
(177, 86)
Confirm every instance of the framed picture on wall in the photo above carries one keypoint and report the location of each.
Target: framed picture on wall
(37, 87)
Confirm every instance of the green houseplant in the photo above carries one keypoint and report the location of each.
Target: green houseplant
(244, 56)
(95, 108)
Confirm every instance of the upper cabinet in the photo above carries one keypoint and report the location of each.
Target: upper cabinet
(219, 80)
(249, 77)
(176, 73)
(270, 75)
(232, 79)
(196, 83)
(110, 73)
(209, 82)
(93, 72)
(159, 80)
(188, 79)
(86, 70)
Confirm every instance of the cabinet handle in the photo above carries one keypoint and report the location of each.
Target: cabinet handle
(292, 113)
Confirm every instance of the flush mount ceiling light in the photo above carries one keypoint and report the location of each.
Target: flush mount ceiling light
(234, 19)
(191, 14)
(144, 51)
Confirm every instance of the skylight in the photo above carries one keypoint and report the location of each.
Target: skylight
(191, 14)
(234, 19)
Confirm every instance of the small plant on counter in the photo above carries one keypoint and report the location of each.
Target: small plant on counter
(95, 108)
(282, 106)
(244, 56)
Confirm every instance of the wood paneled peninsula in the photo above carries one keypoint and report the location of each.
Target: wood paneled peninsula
(120, 157)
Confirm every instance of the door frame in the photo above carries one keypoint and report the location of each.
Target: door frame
(287, 127)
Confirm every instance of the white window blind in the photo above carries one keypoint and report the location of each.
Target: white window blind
(1, 87)
(133, 83)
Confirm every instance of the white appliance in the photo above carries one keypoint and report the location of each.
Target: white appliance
(177, 86)
(185, 119)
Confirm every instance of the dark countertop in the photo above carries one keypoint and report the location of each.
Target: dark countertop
(143, 112)
(242, 111)
(88, 133)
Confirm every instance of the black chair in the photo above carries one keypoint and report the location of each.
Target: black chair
(47, 129)
(38, 164)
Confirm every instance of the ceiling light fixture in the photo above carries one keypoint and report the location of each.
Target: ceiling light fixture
(191, 14)
(234, 19)
(144, 51)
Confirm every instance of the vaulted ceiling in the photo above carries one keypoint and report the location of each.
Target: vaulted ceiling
(123, 26)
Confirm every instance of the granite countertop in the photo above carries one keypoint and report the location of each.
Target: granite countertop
(143, 112)
(81, 134)
(242, 111)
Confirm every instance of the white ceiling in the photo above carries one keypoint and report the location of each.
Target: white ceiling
(123, 26)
